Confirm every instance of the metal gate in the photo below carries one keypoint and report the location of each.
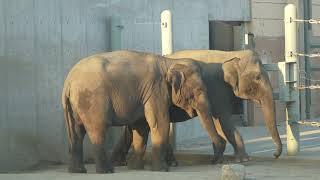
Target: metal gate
(291, 74)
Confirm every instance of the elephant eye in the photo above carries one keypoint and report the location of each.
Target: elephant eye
(258, 77)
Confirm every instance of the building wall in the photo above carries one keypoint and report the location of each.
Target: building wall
(40, 40)
(315, 94)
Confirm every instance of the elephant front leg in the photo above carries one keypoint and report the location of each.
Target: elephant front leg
(235, 139)
(171, 159)
(157, 116)
(240, 152)
(139, 144)
(218, 142)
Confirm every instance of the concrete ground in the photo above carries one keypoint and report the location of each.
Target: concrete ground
(194, 158)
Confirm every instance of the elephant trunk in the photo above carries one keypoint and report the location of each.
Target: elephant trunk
(269, 113)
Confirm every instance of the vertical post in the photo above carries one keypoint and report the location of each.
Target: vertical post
(307, 7)
(291, 80)
(166, 32)
(115, 34)
(166, 41)
(248, 105)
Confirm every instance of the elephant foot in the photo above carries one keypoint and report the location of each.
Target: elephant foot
(135, 163)
(217, 159)
(119, 161)
(218, 152)
(106, 169)
(160, 167)
(119, 158)
(77, 170)
(171, 160)
(173, 163)
(242, 157)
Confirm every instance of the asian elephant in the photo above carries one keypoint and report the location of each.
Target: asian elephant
(227, 75)
(127, 88)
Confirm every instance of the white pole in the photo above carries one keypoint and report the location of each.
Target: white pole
(292, 108)
(166, 41)
(166, 32)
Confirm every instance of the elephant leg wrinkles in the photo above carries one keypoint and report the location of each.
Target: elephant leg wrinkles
(234, 138)
(140, 138)
(157, 116)
(122, 147)
(76, 150)
(97, 131)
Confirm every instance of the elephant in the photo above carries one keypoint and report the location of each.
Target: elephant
(228, 76)
(130, 88)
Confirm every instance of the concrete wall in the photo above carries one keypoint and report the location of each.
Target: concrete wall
(40, 40)
(267, 26)
(315, 94)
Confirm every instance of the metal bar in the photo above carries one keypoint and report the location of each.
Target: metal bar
(292, 108)
(314, 46)
(307, 29)
(311, 21)
(271, 67)
(309, 123)
(307, 55)
(314, 42)
(166, 42)
(315, 69)
(276, 96)
(248, 106)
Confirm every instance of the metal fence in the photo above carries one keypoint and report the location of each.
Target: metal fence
(291, 76)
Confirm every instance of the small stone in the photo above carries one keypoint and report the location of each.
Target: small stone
(233, 172)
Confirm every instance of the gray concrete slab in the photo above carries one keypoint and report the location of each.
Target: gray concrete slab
(256, 169)
(194, 157)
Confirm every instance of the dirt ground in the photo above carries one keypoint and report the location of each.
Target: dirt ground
(194, 158)
(257, 168)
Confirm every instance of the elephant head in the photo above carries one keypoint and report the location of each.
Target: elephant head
(250, 81)
(187, 88)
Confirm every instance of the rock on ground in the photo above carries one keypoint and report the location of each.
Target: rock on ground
(233, 172)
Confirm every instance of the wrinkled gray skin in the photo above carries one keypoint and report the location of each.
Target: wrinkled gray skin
(227, 75)
(125, 87)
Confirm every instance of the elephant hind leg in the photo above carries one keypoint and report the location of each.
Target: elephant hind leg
(97, 122)
(122, 147)
(96, 133)
(140, 138)
(76, 150)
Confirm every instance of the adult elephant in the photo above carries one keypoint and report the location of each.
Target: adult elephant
(227, 75)
(125, 87)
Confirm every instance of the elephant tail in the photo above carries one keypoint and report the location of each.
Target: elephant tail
(68, 116)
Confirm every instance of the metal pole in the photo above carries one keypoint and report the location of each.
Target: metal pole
(166, 40)
(249, 105)
(307, 31)
(291, 80)
(166, 32)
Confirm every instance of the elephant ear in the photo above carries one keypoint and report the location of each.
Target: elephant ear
(231, 70)
(181, 79)
(176, 77)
